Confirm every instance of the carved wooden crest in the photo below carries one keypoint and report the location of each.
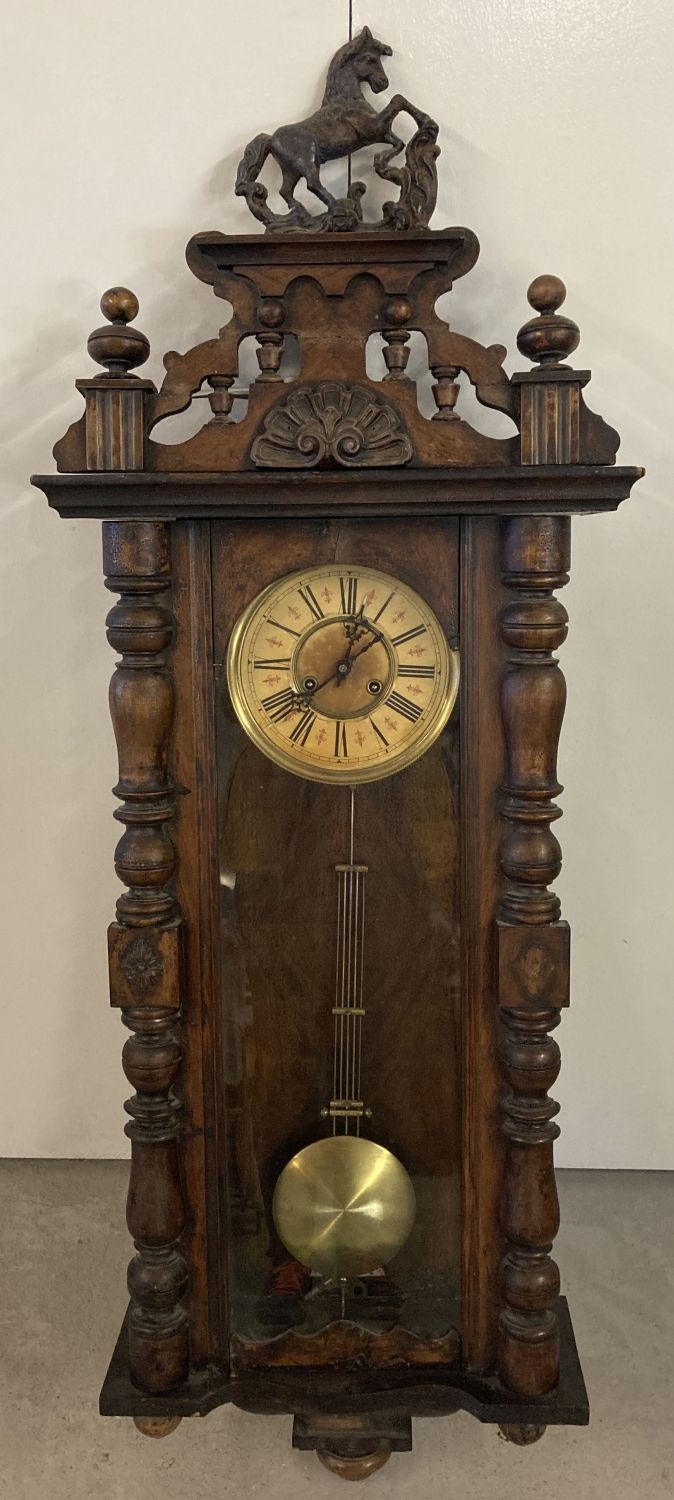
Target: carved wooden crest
(345, 122)
(333, 421)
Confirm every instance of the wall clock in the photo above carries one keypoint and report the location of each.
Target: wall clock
(338, 950)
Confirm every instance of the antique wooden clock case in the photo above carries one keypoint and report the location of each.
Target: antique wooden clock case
(325, 491)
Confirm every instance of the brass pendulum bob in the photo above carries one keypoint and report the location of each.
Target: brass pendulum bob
(344, 1205)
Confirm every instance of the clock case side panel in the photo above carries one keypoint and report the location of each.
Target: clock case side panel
(482, 598)
(203, 1148)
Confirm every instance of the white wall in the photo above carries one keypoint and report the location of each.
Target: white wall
(123, 127)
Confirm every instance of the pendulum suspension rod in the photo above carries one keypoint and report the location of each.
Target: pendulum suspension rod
(346, 1106)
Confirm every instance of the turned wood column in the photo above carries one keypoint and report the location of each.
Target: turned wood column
(533, 946)
(144, 946)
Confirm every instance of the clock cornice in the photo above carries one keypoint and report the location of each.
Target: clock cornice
(531, 489)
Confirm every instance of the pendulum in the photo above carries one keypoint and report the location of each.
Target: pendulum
(345, 1205)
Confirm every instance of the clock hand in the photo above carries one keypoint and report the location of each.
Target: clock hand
(348, 660)
(304, 699)
(353, 630)
(341, 671)
(375, 637)
(358, 624)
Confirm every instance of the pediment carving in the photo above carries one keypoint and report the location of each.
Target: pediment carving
(331, 422)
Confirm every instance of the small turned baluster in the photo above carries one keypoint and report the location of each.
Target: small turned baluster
(445, 391)
(533, 947)
(220, 399)
(550, 395)
(144, 947)
(271, 314)
(115, 410)
(396, 312)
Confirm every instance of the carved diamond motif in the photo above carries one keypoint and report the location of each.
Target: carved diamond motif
(534, 969)
(142, 966)
(347, 424)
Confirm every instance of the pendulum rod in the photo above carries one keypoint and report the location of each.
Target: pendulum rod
(346, 1106)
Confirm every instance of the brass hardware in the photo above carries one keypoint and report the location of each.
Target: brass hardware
(344, 1206)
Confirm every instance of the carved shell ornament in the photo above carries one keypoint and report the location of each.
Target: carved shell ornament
(334, 421)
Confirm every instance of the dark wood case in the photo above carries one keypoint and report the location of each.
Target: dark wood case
(191, 533)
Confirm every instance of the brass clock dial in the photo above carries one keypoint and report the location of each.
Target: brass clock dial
(341, 674)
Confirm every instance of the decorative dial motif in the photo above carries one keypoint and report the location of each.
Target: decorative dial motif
(341, 674)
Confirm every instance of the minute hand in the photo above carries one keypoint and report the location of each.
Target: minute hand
(375, 638)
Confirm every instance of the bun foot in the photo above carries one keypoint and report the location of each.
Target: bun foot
(521, 1433)
(353, 1465)
(157, 1427)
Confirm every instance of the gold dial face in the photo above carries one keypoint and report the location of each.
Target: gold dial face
(341, 674)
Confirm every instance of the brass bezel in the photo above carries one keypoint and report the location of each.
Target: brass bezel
(340, 775)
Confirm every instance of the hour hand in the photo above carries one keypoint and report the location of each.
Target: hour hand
(355, 627)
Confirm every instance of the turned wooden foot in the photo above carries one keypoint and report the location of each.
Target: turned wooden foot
(157, 1427)
(521, 1433)
(352, 1446)
(353, 1465)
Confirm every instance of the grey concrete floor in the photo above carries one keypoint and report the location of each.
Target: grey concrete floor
(64, 1250)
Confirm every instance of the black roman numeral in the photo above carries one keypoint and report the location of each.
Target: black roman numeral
(279, 705)
(408, 635)
(278, 626)
(303, 727)
(384, 605)
(381, 737)
(403, 706)
(416, 672)
(341, 747)
(271, 661)
(348, 589)
(308, 597)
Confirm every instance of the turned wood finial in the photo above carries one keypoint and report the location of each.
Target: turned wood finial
(119, 348)
(551, 336)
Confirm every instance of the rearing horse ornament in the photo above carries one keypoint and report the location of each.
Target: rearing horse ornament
(344, 123)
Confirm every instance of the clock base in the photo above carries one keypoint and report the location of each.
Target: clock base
(428, 1393)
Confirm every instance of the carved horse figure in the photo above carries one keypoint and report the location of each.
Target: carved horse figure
(344, 123)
